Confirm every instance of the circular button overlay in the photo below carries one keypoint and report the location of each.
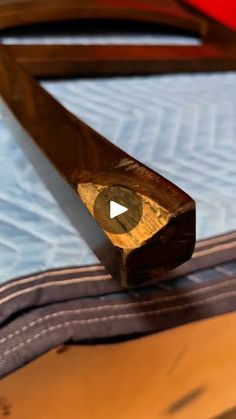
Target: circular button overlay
(117, 209)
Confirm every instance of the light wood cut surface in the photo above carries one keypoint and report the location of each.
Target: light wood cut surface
(187, 372)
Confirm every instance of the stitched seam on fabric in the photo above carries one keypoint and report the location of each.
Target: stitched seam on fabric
(213, 250)
(51, 273)
(99, 267)
(73, 281)
(54, 284)
(119, 316)
(116, 317)
(219, 239)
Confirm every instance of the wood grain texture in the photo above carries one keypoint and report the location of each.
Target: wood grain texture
(218, 51)
(88, 163)
(116, 60)
(168, 12)
(184, 373)
(85, 174)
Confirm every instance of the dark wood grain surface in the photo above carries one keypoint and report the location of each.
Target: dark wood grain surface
(165, 236)
(116, 60)
(169, 12)
(89, 163)
(217, 52)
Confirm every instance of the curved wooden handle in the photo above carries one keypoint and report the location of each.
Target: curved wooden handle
(216, 53)
(61, 60)
(166, 12)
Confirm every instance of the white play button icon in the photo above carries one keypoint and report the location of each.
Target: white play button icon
(120, 202)
(116, 209)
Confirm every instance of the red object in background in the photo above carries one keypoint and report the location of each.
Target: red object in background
(222, 10)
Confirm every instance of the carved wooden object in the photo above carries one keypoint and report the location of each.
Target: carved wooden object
(217, 52)
(165, 236)
(88, 163)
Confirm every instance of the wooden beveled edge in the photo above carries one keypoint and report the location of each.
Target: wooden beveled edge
(85, 163)
(70, 60)
(116, 60)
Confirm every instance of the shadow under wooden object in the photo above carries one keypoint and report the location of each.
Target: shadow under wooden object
(184, 373)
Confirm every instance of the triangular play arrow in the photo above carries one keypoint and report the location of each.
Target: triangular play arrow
(116, 209)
